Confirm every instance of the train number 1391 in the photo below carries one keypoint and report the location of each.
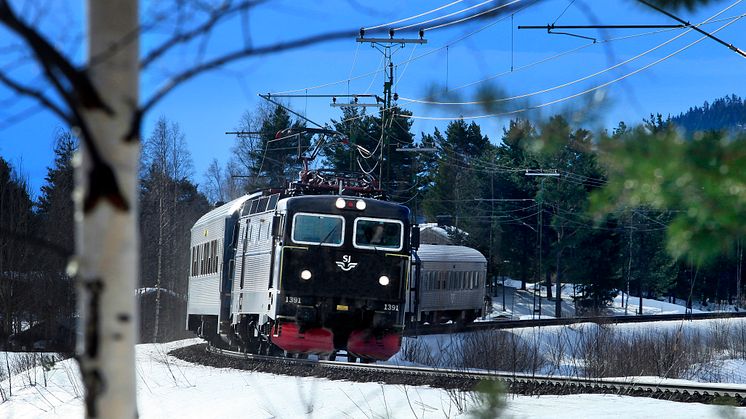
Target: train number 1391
(292, 300)
(391, 307)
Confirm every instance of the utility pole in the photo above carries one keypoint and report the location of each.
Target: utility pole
(558, 303)
(386, 47)
(739, 253)
(629, 262)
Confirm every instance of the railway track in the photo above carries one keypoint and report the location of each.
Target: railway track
(436, 329)
(515, 383)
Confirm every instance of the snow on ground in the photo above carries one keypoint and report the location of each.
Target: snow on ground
(520, 304)
(560, 345)
(168, 387)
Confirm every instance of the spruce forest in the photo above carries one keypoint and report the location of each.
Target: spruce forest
(654, 207)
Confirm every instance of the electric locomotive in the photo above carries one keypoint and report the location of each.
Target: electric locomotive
(302, 271)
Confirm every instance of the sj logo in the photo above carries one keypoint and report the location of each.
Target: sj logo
(346, 264)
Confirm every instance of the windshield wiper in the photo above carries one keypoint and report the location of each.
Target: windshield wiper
(328, 235)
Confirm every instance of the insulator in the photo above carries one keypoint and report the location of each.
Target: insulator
(391, 33)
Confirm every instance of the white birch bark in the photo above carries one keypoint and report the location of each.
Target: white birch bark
(107, 237)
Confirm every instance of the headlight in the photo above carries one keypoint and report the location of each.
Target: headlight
(340, 203)
(305, 275)
(360, 204)
(383, 280)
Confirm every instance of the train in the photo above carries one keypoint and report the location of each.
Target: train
(303, 271)
(449, 284)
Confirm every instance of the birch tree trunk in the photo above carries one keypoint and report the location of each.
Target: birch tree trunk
(107, 237)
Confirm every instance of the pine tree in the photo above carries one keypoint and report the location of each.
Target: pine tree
(55, 211)
(169, 205)
(16, 253)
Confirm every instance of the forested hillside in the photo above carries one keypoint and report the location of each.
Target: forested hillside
(726, 113)
(534, 228)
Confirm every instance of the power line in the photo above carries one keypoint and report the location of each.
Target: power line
(559, 86)
(413, 17)
(455, 41)
(435, 19)
(709, 35)
(563, 99)
(474, 16)
(570, 3)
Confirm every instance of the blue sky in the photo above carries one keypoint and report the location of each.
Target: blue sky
(208, 106)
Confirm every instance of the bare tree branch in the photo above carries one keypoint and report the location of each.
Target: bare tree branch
(34, 94)
(216, 16)
(238, 55)
(55, 65)
(20, 116)
(78, 91)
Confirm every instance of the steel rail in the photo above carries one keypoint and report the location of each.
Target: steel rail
(436, 329)
(517, 383)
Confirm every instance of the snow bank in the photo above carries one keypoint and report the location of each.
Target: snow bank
(169, 387)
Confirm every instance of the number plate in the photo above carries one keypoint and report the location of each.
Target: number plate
(391, 307)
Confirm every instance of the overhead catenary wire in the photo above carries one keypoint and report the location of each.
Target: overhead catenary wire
(437, 9)
(401, 75)
(546, 59)
(435, 19)
(566, 98)
(474, 16)
(569, 83)
(423, 55)
(576, 49)
(569, 3)
(487, 26)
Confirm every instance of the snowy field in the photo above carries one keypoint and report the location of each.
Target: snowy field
(558, 346)
(519, 304)
(169, 387)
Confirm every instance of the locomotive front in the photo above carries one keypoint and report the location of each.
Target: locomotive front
(342, 273)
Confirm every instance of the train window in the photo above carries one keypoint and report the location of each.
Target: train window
(262, 204)
(254, 204)
(194, 261)
(273, 202)
(202, 259)
(214, 256)
(208, 258)
(374, 233)
(321, 229)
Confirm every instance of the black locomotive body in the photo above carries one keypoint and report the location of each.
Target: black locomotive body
(302, 274)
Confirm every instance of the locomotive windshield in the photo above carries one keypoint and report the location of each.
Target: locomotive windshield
(372, 233)
(320, 229)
